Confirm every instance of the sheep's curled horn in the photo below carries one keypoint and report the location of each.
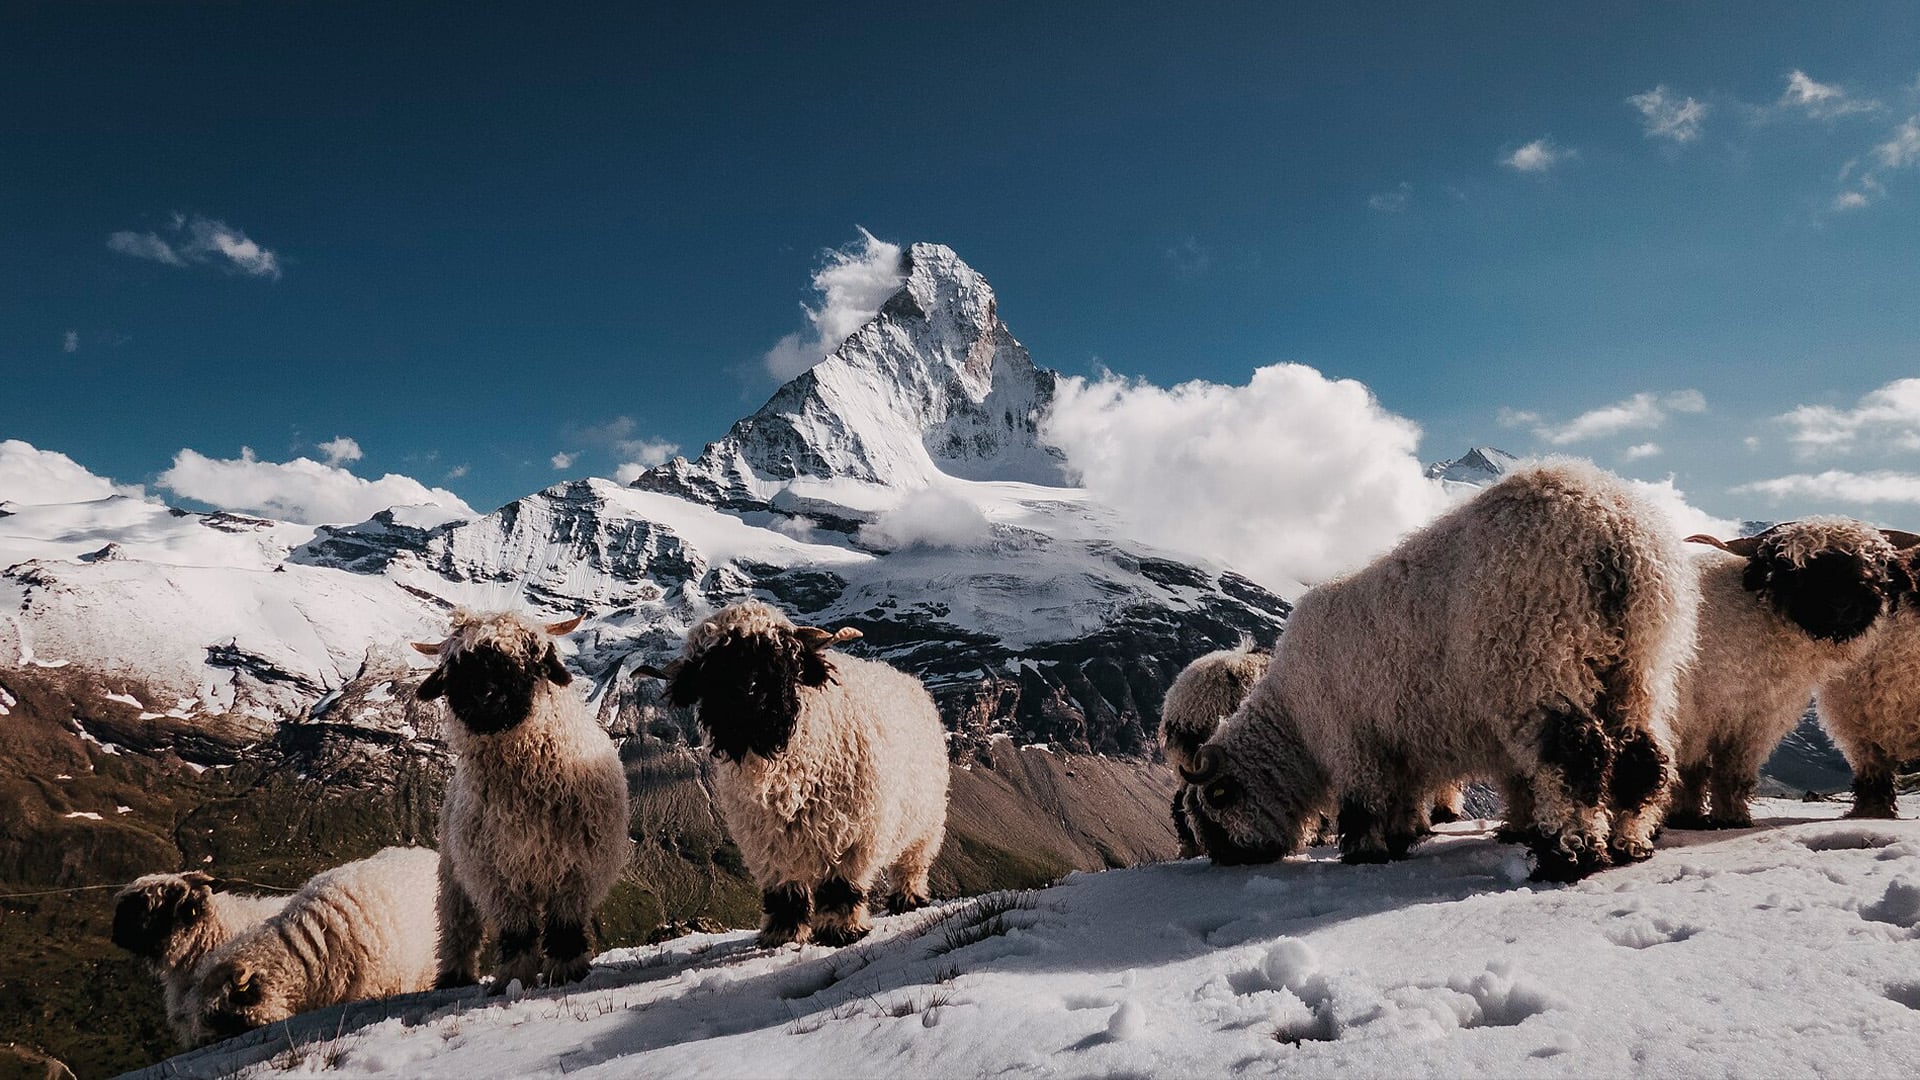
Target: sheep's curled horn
(1744, 546)
(1206, 763)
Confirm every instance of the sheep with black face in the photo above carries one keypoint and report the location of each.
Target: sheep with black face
(359, 931)
(1535, 634)
(533, 832)
(831, 769)
(174, 921)
(1872, 707)
(1781, 613)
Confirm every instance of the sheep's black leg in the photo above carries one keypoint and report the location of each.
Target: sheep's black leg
(565, 940)
(462, 932)
(788, 909)
(1690, 798)
(1575, 758)
(1635, 785)
(839, 912)
(1873, 795)
(1362, 833)
(519, 957)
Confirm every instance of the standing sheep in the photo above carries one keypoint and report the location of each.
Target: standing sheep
(359, 931)
(174, 921)
(1780, 613)
(1872, 708)
(533, 832)
(1535, 633)
(831, 768)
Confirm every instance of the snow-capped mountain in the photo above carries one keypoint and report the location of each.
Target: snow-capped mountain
(899, 487)
(1478, 467)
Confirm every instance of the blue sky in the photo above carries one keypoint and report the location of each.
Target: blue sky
(469, 244)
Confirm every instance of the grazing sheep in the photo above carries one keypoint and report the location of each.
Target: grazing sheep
(1780, 613)
(831, 768)
(174, 921)
(1202, 695)
(533, 832)
(359, 931)
(1206, 692)
(1872, 708)
(1535, 633)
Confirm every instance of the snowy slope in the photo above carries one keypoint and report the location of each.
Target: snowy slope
(1788, 949)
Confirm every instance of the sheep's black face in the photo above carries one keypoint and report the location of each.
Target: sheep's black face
(1235, 829)
(1835, 597)
(489, 689)
(747, 687)
(147, 917)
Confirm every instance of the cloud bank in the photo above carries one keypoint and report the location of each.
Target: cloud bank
(1640, 412)
(1665, 117)
(1537, 157)
(31, 476)
(1290, 479)
(929, 518)
(1887, 418)
(302, 490)
(199, 241)
(852, 285)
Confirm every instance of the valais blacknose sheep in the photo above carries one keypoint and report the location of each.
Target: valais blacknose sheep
(174, 921)
(1872, 707)
(533, 832)
(1534, 634)
(1780, 614)
(831, 768)
(1202, 695)
(359, 931)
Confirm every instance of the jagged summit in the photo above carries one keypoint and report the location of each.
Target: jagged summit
(1479, 466)
(933, 384)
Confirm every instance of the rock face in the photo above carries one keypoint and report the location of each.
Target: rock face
(242, 686)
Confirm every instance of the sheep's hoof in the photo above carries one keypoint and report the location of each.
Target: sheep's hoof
(773, 937)
(1365, 856)
(1744, 821)
(561, 972)
(837, 936)
(1509, 833)
(1557, 866)
(901, 903)
(1688, 819)
(1442, 814)
(1630, 852)
(454, 980)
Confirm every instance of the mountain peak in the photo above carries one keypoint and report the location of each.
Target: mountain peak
(934, 383)
(1479, 466)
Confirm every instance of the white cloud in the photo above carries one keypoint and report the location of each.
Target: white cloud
(1889, 418)
(1849, 200)
(1685, 518)
(1903, 149)
(1289, 479)
(301, 490)
(635, 455)
(1640, 451)
(70, 342)
(563, 460)
(1822, 101)
(458, 471)
(1538, 156)
(31, 476)
(1664, 117)
(852, 284)
(1840, 486)
(1392, 202)
(929, 518)
(199, 241)
(1900, 151)
(1639, 412)
(340, 450)
(1190, 259)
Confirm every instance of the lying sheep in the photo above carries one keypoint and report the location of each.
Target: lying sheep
(1202, 695)
(1872, 708)
(1535, 633)
(831, 769)
(359, 931)
(533, 832)
(174, 921)
(1780, 613)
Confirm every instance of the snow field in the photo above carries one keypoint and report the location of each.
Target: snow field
(1788, 949)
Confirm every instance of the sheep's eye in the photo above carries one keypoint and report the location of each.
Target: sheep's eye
(1222, 794)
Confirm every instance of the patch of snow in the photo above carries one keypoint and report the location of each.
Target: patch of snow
(1689, 964)
(127, 699)
(86, 814)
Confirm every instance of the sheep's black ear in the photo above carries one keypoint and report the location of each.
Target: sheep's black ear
(555, 671)
(434, 686)
(815, 669)
(1903, 574)
(1758, 577)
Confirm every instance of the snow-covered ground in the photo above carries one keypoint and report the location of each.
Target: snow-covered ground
(1787, 949)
